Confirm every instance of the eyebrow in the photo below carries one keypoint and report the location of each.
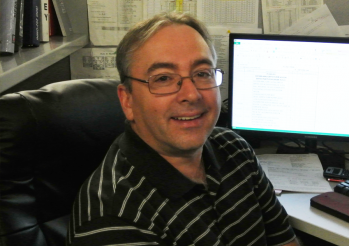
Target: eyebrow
(157, 65)
(170, 65)
(202, 61)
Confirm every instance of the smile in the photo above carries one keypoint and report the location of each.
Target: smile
(187, 118)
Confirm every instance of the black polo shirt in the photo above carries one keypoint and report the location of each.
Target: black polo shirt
(136, 197)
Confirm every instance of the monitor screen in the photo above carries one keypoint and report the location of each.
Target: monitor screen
(294, 86)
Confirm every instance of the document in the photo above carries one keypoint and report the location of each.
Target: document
(94, 63)
(298, 172)
(110, 20)
(345, 30)
(220, 39)
(102, 18)
(318, 23)
(242, 13)
(281, 14)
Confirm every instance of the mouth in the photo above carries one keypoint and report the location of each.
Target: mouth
(186, 118)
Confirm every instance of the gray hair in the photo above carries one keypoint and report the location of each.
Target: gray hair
(142, 31)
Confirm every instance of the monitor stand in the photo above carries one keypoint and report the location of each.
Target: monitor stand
(327, 159)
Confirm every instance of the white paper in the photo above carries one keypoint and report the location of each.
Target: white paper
(345, 30)
(129, 12)
(152, 7)
(318, 23)
(102, 22)
(94, 63)
(299, 172)
(110, 20)
(220, 38)
(242, 13)
(281, 14)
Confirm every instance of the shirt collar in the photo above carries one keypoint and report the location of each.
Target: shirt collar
(161, 174)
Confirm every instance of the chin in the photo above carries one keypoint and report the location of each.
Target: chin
(191, 144)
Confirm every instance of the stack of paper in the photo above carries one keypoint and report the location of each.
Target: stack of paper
(298, 172)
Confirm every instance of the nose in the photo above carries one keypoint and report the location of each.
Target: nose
(188, 91)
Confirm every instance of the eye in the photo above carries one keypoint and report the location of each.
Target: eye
(203, 74)
(162, 78)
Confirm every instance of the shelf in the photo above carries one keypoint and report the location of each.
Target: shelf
(29, 61)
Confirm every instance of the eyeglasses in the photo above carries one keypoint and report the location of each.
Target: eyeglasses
(168, 83)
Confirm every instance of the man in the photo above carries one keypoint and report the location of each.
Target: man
(173, 178)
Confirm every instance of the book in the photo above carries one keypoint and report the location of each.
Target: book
(19, 25)
(333, 203)
(44, 21)
(63, 17)
(31, 23)
(53, 21)
(8, 9)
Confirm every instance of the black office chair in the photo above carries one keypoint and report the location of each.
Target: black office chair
(51, 139)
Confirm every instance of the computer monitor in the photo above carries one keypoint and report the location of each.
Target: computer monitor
(289, 86)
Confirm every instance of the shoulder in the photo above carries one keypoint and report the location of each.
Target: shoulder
(222, 134)
(228, 140)
(233, 152)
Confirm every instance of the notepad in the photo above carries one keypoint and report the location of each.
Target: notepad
(295, 172)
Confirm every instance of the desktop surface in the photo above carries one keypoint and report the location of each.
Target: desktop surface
(313, 221)
(305, 218)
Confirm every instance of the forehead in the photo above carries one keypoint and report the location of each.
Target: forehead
(175, 36)
(175, 44)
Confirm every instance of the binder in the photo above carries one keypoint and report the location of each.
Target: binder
(31, 23)
(44, 21)
(54, 29)
(19, 25)
(7, 26)
(62, 16)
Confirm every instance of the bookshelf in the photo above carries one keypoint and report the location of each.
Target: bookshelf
(29, 61)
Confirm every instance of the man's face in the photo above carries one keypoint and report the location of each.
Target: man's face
(177, 124)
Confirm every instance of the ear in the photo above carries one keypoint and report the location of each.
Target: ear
(126, 101)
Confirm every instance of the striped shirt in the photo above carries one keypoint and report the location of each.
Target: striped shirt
(135, 197)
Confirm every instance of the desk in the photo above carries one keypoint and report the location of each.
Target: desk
(306, 218)
(313, 221)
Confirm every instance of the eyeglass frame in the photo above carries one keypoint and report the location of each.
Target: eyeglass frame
(181, 81)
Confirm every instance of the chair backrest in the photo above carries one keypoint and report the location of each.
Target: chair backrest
(51, 139)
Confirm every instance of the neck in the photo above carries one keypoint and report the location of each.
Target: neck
(198, 175)
(193, 167)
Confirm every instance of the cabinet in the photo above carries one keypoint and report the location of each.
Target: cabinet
(29, 61)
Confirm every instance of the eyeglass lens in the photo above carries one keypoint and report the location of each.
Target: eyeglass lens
(171, 83)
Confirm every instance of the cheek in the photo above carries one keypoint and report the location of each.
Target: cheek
(148, 109)
(213, 99)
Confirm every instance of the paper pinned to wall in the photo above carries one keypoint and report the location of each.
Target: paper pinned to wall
(318, 23)
(220, 38)
(109, 20)
(279, 15)
(94, 63)
(243, 13)
(345, 30)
